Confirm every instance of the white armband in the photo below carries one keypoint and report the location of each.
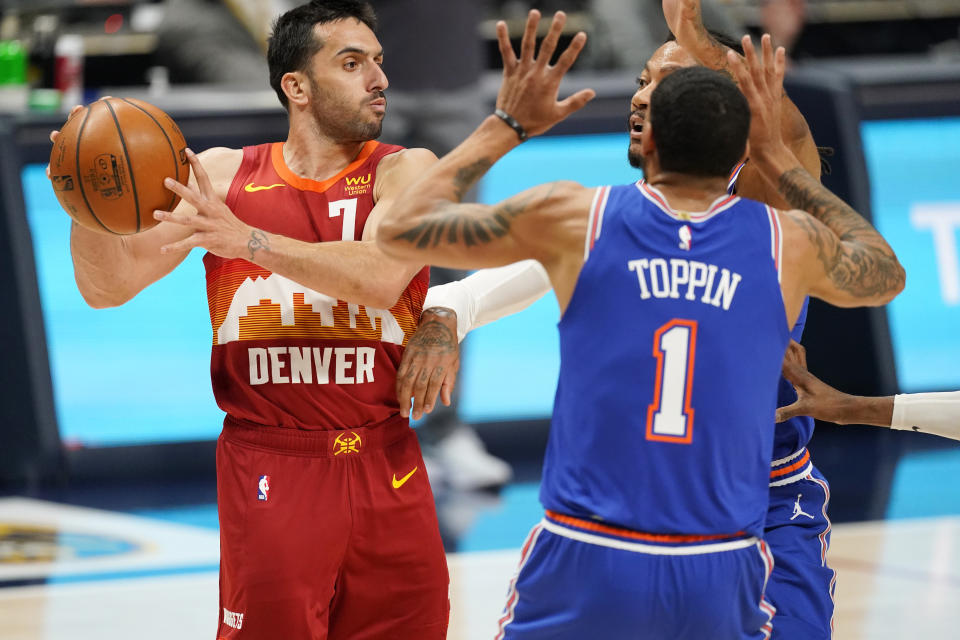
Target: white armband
(936, 413)
(491, 294)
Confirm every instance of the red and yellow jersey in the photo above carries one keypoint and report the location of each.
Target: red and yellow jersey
(284, 354)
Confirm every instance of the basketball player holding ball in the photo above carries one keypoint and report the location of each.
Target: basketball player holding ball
(327, 521)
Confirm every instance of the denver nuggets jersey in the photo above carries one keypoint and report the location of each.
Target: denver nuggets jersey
(286, 355)
(671, 348)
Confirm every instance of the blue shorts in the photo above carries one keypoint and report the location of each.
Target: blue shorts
(798, 532)
(574, 584)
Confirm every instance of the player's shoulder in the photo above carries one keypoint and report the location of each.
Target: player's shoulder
(397, 170)
(221, 165)
(569, 192)
(413, 159)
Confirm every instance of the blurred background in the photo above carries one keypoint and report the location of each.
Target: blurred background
(112, 409)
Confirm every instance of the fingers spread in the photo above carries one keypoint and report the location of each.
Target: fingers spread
(549, 44)
(203, 180)
(186, 192)
(528, 45)
(570, 54)
(576, 102)
(183, 245)
(790, 411)
(506, 48)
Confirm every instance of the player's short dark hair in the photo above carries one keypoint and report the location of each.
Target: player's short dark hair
(701, 122)
(293, 43)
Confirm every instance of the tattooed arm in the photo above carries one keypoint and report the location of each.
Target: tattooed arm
(830, 250)
(547, 223)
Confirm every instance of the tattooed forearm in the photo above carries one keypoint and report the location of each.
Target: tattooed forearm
(472, 224)
(804, 192)
(712, 53)
(467, 176)
(258, 240)
(853, 254)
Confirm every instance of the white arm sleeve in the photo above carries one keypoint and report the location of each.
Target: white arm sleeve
(491, 294)
(936, 413)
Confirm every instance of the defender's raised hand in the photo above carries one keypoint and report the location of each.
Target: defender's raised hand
(531, 84)
(761, 79)
(686, 24)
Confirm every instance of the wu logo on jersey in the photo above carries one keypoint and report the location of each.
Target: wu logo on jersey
(263, 488)
(686, 236)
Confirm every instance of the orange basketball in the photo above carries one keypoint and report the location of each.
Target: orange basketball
(108, 165)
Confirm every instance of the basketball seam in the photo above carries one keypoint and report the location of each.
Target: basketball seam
(176, 165)
(126, 156)
(80, 176)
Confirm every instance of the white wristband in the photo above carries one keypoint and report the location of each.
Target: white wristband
(936, 413)
(490, 294)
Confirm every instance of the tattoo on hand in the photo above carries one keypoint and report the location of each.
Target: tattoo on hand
(435, 337)
(258, 240)
(868, 266)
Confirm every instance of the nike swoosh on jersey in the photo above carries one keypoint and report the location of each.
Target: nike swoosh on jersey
(399, 483)
(251, 188)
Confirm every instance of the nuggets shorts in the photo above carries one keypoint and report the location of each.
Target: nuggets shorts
(328, 535)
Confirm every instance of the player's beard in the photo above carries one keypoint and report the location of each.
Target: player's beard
(636, 159)
(341, 121)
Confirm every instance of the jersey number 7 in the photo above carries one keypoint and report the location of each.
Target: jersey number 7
(670, 416)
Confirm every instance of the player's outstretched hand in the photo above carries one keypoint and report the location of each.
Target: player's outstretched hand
(761, 79)
(684, 19)
(814, 397)
(430, 363)
(214, 227)
(530, 83)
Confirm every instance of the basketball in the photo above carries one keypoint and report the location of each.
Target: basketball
(108, 164)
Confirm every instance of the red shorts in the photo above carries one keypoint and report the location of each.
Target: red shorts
(328, 535)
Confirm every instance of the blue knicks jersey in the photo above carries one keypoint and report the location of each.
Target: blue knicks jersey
(671, 349)
(793, 434)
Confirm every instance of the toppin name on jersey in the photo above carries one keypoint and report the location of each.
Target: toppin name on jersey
(660, 278)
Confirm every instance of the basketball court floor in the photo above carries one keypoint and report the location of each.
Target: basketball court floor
(75, 573)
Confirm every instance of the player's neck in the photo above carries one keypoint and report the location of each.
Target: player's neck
(310, 154)
(688, 193)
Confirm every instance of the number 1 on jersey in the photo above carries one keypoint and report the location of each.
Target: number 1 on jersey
(670, 417)
(349, 210)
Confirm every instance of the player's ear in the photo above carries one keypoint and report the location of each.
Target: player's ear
(296, 85)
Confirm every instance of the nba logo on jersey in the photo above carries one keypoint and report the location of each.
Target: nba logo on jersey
(263, 488)
(685, 237)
